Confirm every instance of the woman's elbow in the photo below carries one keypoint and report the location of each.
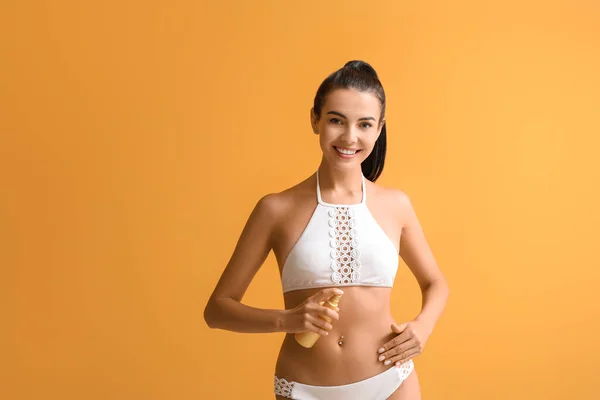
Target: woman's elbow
(209, 314)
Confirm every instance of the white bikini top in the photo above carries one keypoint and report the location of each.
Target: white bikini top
(342, 245)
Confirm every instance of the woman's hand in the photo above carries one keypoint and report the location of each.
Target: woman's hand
(409, 343)
(305, 316)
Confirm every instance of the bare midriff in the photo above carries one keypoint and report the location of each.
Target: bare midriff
(349, 352)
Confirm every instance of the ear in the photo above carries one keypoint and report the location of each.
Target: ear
(381, 123)
(380, 127)
(313, 121)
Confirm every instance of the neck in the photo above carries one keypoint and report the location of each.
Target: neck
(340, 182)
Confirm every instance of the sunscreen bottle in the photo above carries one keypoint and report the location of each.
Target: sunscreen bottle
(308, 339)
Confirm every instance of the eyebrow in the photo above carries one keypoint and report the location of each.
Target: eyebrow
(343, 116)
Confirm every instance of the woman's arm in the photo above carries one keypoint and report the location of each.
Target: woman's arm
(224, 309)
(231, 315)
(417, 255)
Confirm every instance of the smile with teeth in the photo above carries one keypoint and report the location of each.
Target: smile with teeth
(346, 151)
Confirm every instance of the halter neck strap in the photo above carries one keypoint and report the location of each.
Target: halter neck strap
(364, 194)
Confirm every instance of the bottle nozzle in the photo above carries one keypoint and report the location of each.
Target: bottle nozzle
(334, 300)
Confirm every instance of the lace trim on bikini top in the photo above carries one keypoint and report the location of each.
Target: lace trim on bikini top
(342, 245)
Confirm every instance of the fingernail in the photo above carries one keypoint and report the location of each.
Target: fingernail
(381, 350)
(387, 362)
(381, 358)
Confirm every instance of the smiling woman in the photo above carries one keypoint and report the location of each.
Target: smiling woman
(337, 233)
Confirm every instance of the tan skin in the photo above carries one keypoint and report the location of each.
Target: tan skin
(364, 318)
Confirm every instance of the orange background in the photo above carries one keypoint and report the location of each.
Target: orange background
(137, 136)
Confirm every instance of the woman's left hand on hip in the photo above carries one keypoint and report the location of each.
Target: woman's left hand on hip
(408, 344)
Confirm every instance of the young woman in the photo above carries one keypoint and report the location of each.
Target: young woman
(337, 232)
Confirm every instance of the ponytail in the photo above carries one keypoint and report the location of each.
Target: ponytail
(372, 167)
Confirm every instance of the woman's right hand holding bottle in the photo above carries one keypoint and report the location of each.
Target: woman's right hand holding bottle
(306, 316)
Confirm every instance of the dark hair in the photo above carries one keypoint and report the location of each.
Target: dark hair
(361, 76)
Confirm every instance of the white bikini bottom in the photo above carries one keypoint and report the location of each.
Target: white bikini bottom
(378, 387)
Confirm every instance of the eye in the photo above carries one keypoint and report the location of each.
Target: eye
(366, 125)
(335, 120)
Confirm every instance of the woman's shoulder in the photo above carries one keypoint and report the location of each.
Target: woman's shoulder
(393, 199)
(278, 203)
(388, 193)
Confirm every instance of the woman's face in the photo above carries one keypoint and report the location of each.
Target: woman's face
(349, 124)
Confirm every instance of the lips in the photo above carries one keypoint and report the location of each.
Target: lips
(346, 151)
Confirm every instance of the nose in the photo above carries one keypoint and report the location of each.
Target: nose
(350, 135)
